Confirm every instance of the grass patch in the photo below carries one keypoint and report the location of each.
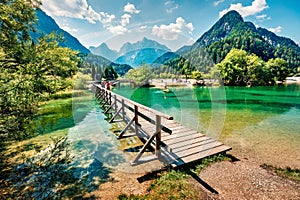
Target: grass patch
(292, 174)
(66, 94)
(170, 185)
(210, 160)
(175, 184)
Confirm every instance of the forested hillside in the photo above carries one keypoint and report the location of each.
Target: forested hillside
(232, 32)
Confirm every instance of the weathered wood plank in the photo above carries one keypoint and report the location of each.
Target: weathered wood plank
(203, 154)
(188, 137)
(189, 142)
(185, 133)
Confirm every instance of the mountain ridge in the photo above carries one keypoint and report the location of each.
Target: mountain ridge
(104, 51)
(143, 44)
(46, 25)
(231, 31)
(144, 51)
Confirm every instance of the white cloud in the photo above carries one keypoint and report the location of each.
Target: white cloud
(106, 19)
(173, 30)
(117, 30)
(142, 29)
(130, 8)
(125, 19)
(256, 7)
(67, 28)
(171, 6)
(121, 27)
(76, 9)
(278, 29)
(80, 9)
(216, 3)
(262, 17)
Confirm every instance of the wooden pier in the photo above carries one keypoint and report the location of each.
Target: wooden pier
(172, 143)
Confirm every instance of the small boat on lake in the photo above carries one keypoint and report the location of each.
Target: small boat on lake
(166, 90)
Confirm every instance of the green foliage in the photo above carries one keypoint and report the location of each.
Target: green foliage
(121, 69)
(27, 70)
(98, 64)
(277, 69)
(17, 19)
(181, 65)
(164, 71)
(209, 160)
(292, 174)
(81, 81)
(140, 75)
(231, 32)
(240, 68)
(196, 75)
(172, 185)
(110, 73)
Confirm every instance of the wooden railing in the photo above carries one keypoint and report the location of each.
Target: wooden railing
(135, 116)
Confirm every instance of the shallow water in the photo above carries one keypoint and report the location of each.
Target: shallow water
(260, 123)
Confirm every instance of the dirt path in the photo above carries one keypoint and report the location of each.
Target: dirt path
(247, 180)
(243, 179)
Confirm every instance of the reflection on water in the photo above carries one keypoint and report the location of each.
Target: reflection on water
(259, 122)
(93, 140)
(94, 147)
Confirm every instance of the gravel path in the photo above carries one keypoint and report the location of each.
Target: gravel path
(247, 180)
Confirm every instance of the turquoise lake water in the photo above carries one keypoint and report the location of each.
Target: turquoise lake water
(259, 123)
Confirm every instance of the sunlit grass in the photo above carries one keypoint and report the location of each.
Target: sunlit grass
(292, 174)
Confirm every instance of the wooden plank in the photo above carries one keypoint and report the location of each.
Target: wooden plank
(183, 134)
(198, 149)
(178, 128)
(198, 145)
(190, 136)
(201, 155)
(189, 142)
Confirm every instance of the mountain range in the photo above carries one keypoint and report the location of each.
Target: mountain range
(46, 25)
(134, 54)
(229, 32)
(104, 51)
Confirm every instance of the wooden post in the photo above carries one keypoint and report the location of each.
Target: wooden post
(106, 96)
(109, 98)
(116, 106)
(123, 110)
(136, 119)
(158, 135)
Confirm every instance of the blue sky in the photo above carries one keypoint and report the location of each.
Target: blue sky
(171, 22)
